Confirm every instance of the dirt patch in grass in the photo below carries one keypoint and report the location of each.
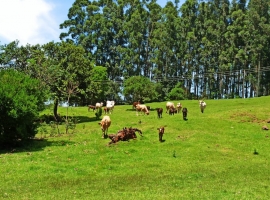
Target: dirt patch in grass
(244, 117)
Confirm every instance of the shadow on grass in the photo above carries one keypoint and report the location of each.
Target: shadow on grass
(130, 109)
(83, 119)
(34, 145)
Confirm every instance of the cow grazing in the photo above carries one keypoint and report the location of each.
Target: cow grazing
(202, 105)
(148, 107)
(160, 133)
(184, 111)
(91, 107)
(141, 108)
(159, 112)
(105, 124)
(169, 105)
(179, 107)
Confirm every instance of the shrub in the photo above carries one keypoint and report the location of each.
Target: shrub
(21, 99)
(177, 93)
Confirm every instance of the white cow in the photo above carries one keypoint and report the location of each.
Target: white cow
(202, 105)
(179, 107)
(105, 124)
(110, 106)
(99, 105)
(169, 105)
(141, 108)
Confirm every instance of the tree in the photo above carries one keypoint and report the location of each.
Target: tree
(177, 93)
(21, 99)
(139, 88)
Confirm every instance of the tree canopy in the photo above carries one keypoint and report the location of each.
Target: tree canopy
(215, 48)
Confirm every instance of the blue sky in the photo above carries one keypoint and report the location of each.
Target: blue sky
(34, 21)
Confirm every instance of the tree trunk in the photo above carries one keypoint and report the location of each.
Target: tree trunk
(55, 107)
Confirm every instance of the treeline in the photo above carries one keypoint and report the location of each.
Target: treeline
(202, 49)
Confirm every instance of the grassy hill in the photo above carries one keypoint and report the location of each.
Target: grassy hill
(222, 153)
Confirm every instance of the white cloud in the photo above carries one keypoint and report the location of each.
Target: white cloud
(29, 21)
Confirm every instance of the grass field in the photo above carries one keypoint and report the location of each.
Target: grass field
(222, 153)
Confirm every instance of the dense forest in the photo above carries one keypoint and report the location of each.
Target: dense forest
(140, 50)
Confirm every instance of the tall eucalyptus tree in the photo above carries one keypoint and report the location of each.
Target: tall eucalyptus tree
(189, 13)
(259, 29)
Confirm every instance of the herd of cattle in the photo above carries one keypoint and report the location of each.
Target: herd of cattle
(130, 133)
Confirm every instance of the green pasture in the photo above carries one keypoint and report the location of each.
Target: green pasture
(222, 153)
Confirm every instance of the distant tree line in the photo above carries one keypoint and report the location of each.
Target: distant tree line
(201, 49)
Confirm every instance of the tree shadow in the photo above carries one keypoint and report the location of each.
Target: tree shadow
(130, 109)
(83, 119)
(33, 145)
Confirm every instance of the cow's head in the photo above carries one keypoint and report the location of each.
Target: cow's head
(161, 130)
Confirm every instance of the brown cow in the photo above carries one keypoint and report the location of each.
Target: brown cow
(105, 124)
(160, 133)
(124, 135)
(91, 107)
(159, 112)
(135, 104)
(184, 111)
(172, 111)
(108, 110)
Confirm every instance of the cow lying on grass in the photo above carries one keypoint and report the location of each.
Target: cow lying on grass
(124, 135)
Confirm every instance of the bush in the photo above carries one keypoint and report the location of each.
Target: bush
(21, 99)
(177, 93)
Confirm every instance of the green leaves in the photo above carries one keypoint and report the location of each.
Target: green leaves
(139, 87)
(21, 100)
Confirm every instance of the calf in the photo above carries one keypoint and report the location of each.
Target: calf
(160, 133)
(105, 124)
(172, 111)
(202, 105)
(107, 110)
(179, 107)
(159, 112)
(184, 111)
